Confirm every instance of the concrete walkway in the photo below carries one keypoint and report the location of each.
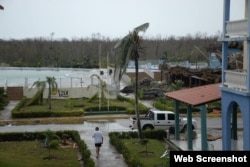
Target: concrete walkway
(109, 157)
(213, 145)
(6, 113)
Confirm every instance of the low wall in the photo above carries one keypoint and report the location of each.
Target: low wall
(14, 93)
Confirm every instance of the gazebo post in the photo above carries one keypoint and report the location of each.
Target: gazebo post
(189, 127)
(176, 108)
(203, 128)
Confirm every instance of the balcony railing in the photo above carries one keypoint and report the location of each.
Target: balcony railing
(236, 80)
(237, 28)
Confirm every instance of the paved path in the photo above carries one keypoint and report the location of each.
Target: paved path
(109, 157)
(6, 113)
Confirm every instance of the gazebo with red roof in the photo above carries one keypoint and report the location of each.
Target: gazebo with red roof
(195, 97)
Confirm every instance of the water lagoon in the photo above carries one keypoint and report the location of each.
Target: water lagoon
(65, 77)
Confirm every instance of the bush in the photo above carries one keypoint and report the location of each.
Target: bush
(18, 136)
(164, 104)
(105, 108)
(142, 108)
(161, 106)
(17, 113)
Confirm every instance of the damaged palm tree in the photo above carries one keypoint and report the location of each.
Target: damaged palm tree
(102, 90)
(130, 48)
(41, 85)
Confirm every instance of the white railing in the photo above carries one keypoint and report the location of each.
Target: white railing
(237, 28)
(236, 80)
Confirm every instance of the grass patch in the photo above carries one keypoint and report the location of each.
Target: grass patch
(151, 157)
(31, 153)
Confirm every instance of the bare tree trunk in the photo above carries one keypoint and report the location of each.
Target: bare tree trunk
(41, 98)
(136, 97)
(49, 97)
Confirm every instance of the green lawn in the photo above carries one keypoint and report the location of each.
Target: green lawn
(155, 149)
(32, 154)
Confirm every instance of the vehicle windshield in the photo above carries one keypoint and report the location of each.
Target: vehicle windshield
(150, 114)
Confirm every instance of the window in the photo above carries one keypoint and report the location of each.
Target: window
(160, 116)
(171, 117)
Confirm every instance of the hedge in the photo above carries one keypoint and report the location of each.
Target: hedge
(142, 108)
(23, 114)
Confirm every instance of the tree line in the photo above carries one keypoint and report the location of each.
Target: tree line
(91, 52)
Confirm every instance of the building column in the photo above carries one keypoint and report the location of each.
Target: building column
(234, 122)
(226, 123)
(246, 125)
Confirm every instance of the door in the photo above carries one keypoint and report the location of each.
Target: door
(160, 121)
(171, 120)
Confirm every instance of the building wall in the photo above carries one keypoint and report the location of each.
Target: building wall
(14, 93)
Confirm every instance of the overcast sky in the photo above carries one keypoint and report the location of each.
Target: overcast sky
(74, 19)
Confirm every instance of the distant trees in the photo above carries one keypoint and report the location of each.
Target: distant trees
(84, 53)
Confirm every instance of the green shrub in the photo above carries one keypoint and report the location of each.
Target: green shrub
(105, 108)
(131, 110)
(122, 98)
(150, 134)
(163, 106)
(48, 113)
(53, 144)
(18, 136)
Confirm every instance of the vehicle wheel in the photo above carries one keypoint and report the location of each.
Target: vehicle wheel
(171, 130)
(147, 127)
(185, 128)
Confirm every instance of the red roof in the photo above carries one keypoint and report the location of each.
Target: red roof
(197, 95)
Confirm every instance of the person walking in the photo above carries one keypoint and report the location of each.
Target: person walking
(98, 139)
